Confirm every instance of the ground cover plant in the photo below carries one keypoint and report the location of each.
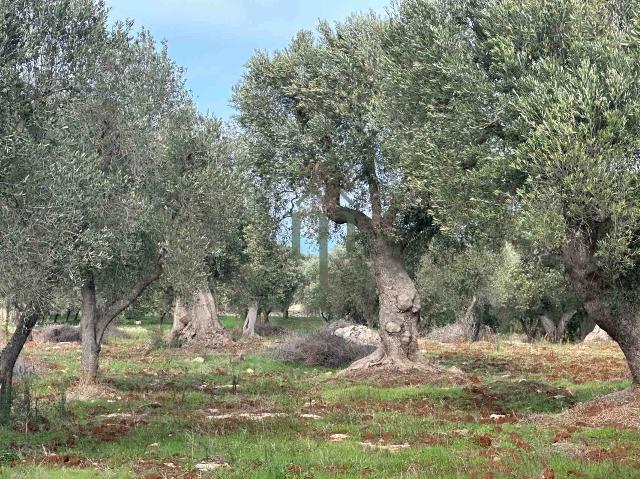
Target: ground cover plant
(240, 413)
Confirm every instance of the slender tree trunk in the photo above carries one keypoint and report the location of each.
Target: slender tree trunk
(249, 327)
(89, 333)
(200, 322)
(285, 312)
(399, 314)
(610, 311)
(4, 316)
(8, 358)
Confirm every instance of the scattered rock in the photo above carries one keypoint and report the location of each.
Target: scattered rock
(211, 464)
(199, 359)
(359, 334)
(245, 415)
(338, 437)
(598, 334)
(385, 447)
(310, 416)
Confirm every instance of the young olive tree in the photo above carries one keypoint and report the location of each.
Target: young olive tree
(308, 113)
(268, 274)
(48, 53)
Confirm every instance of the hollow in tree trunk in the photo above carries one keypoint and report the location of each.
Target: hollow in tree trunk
(199, 322)
(398, 317)
(249, 326)
(8, 358)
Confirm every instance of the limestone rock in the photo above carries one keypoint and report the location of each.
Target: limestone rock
(359, 334)
(598, 334)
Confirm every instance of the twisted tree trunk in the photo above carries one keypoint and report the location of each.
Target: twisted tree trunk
(398, 317)
(8, 358)
(615, 315)
(200, 322)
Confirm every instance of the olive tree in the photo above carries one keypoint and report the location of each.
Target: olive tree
(538, 102)
(309, 116)
(351, 293)
(267, 274)
(573, 121)
(47, 56)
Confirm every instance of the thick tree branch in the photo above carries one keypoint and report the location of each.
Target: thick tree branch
(341, 214)
(117, 307)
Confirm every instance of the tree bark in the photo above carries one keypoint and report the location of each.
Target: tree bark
(470, 322)
(555, 332)
(399, 314)
(249, 327)
(8, 358)
(200, 322)
(615, 315)
(285, 312)
(90, 344)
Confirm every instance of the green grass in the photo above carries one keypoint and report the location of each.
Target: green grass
(175, 401)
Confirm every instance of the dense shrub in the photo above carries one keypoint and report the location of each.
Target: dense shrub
(269, 330)
(67, 333)
(58, 333)
(320, 348)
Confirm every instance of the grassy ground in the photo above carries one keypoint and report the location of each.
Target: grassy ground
(159, 413)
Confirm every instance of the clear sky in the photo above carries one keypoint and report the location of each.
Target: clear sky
(213, 39)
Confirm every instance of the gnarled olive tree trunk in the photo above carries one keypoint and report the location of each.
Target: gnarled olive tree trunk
(8, 358)
(399, 313)
(249, 326)
(200, 321)
(612, 312)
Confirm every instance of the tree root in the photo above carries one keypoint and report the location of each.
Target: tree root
(214, 339)
(381, 367)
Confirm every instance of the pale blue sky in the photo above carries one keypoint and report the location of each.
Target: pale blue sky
(213, 39)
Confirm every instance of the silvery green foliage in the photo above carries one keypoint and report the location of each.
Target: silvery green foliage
(440, 114)
(47, 56)
(267, 271)
(104, 163)
(309, 116)
(568, 73)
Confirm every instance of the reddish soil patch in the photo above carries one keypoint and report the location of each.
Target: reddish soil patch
(108, 432)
